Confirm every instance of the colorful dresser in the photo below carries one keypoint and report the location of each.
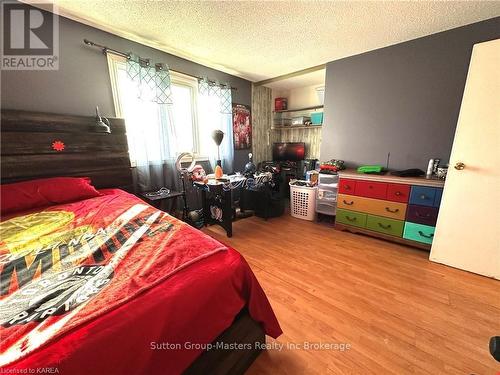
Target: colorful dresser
(400, 209)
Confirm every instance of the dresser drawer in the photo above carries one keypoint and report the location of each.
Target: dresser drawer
(371, 189)
(423, 196)
(346, 217)
(398, 192)
(347, 186)
(393, 210)
(385, 225)
(350, 202)
(419, 232)
(437, 198)
(422, 214)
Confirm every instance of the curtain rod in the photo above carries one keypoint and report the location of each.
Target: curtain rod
(105, 50)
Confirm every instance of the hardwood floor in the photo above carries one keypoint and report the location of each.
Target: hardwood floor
(399, 312)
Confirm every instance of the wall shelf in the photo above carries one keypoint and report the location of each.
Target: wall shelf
(300, 109)
(296, 127)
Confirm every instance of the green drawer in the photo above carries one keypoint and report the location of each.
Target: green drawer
(351, 218)
(418, 232)
(385, 225)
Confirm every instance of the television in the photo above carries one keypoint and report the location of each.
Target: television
(289, 151)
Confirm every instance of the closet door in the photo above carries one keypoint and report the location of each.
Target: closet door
(468, 225)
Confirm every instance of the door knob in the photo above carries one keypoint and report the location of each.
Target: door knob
(459, 166)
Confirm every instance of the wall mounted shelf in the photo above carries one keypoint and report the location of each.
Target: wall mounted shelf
(296, 127)
(300, 109)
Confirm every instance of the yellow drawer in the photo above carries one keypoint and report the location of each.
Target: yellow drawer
(393, 210)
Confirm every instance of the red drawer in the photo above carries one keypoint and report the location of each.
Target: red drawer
(371, 189)
(398, 192)
(347, 186)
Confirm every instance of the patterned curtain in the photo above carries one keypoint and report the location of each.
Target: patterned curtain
(215, 108)
(153, 82)
(223, 92)
(149, 124)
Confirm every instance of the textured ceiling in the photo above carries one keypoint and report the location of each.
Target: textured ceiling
(260, 40)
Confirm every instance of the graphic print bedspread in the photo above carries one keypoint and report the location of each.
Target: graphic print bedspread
(71, 263)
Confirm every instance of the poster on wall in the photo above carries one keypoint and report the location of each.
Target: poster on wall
(242, 127)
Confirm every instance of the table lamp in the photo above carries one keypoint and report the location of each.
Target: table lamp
(218, 136)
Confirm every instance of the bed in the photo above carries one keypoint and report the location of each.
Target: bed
(106, 283)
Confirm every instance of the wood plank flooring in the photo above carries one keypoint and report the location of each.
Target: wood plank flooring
(399, 312)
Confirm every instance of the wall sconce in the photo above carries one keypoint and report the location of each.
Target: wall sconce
(101, 123)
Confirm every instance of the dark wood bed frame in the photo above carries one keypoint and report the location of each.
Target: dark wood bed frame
(27, 153)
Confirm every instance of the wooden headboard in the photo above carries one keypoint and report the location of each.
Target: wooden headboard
(27, 151)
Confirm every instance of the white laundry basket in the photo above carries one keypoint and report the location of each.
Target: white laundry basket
(303, 202)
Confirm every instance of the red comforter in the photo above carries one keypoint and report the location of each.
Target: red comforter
(111, 285)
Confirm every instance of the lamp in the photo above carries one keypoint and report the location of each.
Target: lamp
(101, 123)
(218, 136)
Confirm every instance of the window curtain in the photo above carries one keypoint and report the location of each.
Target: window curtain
(149, 117)
(215, 112)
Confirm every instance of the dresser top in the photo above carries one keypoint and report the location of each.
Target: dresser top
(422, 181)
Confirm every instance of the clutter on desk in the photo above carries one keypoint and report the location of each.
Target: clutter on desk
(198, 173)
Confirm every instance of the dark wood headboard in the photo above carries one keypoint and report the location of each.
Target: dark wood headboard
(27, 148)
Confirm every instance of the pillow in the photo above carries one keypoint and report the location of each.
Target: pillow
(44, 192)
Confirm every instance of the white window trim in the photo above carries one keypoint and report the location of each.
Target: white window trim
(113, 75)
(185, 80)
(177, 78)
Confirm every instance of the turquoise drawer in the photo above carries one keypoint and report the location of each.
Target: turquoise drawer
(418, 232)
(422, 195)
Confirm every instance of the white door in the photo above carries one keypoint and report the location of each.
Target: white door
(468, 227)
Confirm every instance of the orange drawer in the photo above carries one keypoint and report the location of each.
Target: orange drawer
(350, 202)
(347, 186)
(393, 210)
(398, 192)
(371, 189)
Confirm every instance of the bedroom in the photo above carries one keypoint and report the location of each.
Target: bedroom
(161, 265)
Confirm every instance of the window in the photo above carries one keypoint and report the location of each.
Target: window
(175, 127)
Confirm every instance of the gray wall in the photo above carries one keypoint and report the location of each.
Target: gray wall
(403, 99)
(82, 81)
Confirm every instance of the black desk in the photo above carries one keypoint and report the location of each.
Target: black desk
(217, 205)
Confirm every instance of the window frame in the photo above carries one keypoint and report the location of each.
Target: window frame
(184, 80)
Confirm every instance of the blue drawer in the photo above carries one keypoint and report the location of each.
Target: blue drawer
(437, 198)
(422, 195)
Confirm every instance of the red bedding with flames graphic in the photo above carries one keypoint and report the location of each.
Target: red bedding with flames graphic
(72, 263)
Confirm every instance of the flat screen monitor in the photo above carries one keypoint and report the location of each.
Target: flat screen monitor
(289, 151)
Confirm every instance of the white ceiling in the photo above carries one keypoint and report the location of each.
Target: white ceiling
(264, 39)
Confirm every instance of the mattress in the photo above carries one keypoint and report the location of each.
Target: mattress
(111, 285)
